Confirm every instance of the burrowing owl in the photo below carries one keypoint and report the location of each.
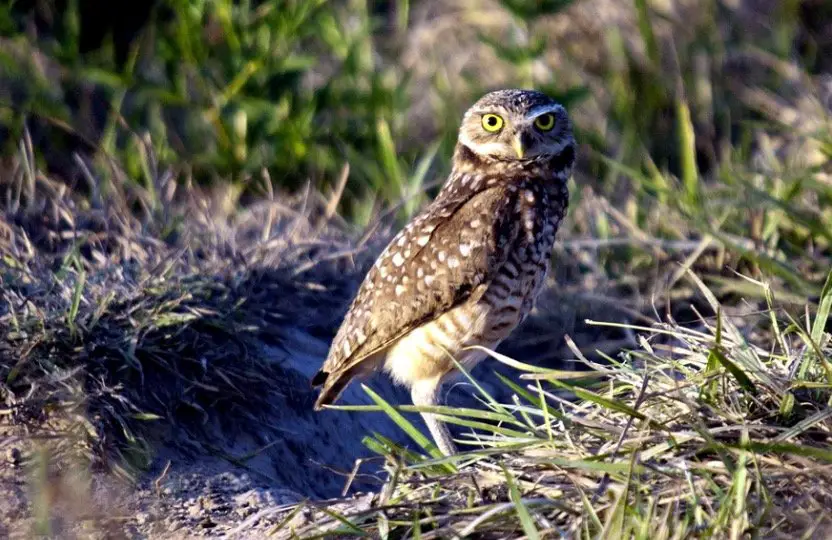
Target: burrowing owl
(467, 269)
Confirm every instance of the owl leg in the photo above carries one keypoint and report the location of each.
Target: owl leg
(426, 393)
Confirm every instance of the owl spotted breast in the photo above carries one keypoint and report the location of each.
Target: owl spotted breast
(467, 269)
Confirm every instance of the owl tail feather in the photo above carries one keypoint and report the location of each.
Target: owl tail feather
(333, 385)
(319, 378)
(335, 381)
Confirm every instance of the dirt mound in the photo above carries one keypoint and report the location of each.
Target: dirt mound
(173, 369)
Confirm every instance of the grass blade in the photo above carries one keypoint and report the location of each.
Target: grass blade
(403, 423)
(743, 379)
(606, 403)
(822, 316)
(522, 512)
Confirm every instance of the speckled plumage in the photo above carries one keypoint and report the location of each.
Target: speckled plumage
(467, 269)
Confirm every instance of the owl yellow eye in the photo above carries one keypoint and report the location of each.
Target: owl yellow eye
(545, 122)
(492, 122)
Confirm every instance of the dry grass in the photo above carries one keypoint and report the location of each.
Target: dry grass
(718, 426)
(699, 228)
(120, 311)
(120, 325)
(703, 430)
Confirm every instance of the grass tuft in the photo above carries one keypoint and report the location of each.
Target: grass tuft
(644, 449)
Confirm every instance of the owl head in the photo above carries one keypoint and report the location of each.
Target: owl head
(516, 125)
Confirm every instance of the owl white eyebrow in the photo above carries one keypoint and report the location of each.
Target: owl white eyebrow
(543, 109)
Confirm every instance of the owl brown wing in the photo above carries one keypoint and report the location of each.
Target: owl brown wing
(436, 262)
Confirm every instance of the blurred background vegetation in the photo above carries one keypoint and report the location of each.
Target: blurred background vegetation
(230, 89)
(678, 105)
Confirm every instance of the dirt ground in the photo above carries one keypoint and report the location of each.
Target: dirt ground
(218, 480)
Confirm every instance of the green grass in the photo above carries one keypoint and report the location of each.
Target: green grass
(701, 211)
(228, 91)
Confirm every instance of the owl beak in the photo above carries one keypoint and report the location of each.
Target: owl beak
(519, 147)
